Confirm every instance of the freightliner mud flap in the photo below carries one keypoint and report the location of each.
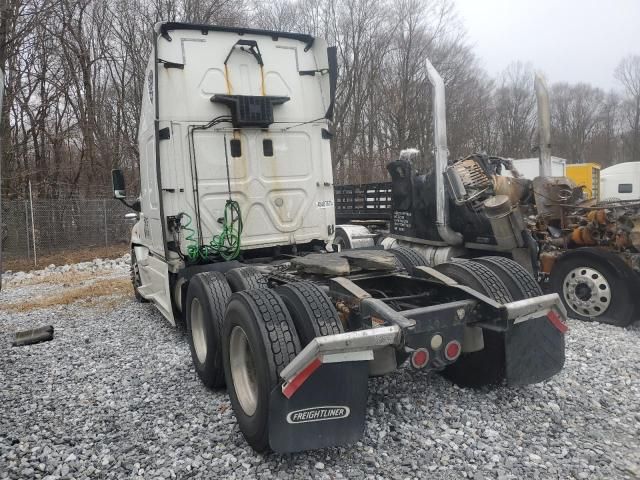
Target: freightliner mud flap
(323, 397)
(534, 351)
(328, 409)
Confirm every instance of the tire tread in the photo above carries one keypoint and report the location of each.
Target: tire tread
(246, 278)
(522, 278)
(218, 293)
(409, 258)
(281, 340)
(321, 314)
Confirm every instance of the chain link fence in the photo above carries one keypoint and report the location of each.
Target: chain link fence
(49, 226)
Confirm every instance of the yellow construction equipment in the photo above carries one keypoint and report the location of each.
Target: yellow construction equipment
(586, 175)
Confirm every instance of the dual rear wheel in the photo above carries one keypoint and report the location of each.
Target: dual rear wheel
(503, 280)
(249, 336)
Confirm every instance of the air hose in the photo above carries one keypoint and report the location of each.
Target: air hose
(226, 244)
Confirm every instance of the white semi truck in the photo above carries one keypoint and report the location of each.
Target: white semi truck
(620, 182)
(235, 236)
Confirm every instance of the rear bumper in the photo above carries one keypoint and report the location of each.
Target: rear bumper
(360, 345)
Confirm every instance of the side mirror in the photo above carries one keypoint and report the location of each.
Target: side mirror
(117, 178)
(332, 59)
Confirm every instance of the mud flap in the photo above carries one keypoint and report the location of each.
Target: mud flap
(327, 410)
(534, 351)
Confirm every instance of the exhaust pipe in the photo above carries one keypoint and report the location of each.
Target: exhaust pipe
(544, 125)
(447, 234)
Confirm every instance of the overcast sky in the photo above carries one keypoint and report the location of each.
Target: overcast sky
(569, 40)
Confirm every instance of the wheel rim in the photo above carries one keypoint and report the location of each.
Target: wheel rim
(243, 371)
(587, 291)
(197, 330)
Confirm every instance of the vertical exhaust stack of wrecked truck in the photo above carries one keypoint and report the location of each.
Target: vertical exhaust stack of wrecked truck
(445, 231)
(235, 240)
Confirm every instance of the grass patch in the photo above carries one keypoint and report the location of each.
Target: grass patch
(92, 294)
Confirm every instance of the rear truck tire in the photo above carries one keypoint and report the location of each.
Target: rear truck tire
(311, 310)
(408, 258)
(518, 280)
(487, 366)
(207, 297)
(136, 282)
(596, 285)
(259, 341)
(245, 278)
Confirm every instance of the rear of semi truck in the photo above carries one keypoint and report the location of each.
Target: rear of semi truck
(235, 239)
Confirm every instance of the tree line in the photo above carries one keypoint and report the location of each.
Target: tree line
(74, 83)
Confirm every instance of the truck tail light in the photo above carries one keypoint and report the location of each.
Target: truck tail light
(420, 358)
(452, 350)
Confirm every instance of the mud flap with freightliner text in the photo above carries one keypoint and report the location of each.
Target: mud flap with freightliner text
(328, 409)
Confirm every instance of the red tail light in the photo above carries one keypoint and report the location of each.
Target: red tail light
(452, 350)
(420, 358)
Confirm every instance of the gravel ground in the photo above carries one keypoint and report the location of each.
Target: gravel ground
(114, 395)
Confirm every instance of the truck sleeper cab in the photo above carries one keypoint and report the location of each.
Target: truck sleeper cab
(235, 239)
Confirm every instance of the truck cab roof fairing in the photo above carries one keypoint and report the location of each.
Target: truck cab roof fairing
(163, 28)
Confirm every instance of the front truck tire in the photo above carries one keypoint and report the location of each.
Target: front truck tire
(487, 366)
(259, 341)
(136, 282)
(207, 297)
(596, 284)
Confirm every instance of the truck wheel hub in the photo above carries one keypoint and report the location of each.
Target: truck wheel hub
(197, 330)
(587, 291)
(243, 371)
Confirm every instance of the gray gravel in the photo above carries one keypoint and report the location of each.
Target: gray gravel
(114, 395)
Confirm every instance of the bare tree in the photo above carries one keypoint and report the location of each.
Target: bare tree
(577, 115)
(515, 110)
(628, 74)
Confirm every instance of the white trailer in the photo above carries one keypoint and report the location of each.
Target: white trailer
(529, 168)
(620, 181)
(235, 240)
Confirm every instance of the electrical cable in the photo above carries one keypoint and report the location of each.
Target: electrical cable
(227, 243)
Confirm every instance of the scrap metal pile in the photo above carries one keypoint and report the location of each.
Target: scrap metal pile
(553, 209)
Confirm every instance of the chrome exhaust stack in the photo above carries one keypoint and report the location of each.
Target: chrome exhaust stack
(448, 235)
(544, 125)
